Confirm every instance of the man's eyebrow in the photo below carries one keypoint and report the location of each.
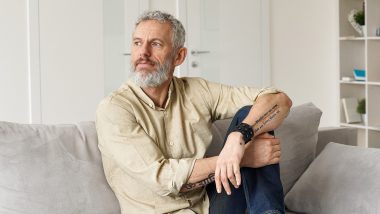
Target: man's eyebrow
(153, 39)
(157, 39)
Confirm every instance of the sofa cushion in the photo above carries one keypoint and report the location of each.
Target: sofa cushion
(298, 135)
(52, 169)
(342, 180)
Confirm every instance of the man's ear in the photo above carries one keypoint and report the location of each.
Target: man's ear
(180, 57)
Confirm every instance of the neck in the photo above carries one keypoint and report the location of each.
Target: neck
(158, 94)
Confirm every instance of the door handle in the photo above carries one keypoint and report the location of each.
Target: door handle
(196, 52)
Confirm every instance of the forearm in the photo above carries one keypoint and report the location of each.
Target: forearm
(202, 174)
(268, 112)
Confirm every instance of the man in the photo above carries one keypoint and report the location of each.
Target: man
(154, 131)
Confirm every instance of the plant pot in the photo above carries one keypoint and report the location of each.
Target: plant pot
(364, 30)
(364, 119)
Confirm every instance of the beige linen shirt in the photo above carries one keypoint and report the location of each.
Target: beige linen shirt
(149, 152)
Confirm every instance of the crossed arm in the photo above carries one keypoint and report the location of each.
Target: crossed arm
(267, 114)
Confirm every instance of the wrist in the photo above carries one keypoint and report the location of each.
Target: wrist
(245, 130)
(238, 137)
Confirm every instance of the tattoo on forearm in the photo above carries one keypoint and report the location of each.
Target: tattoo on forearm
(202, 183)
(266, 118)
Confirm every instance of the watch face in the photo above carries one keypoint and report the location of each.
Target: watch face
(245, 130)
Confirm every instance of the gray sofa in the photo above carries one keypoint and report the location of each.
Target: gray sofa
(58, 169)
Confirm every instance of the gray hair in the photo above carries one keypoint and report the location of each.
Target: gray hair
(178, 31)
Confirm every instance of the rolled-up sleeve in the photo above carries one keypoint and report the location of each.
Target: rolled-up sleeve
(123, 141)
(224, 100)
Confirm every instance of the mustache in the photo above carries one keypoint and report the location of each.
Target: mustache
(146, 60)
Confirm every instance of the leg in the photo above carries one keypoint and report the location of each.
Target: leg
(221, 203)
(262, 187)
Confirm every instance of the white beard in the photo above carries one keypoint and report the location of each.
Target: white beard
(150, 79)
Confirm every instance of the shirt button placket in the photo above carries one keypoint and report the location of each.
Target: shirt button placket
(168, 134)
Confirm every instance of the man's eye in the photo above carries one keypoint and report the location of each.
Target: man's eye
(156, 44)
(137, 43)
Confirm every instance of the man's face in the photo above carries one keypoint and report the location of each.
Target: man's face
(152, 53)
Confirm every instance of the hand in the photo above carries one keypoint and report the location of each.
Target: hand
(228, 163)
(262, 151)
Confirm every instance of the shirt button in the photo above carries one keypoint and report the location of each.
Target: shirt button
(171, 143)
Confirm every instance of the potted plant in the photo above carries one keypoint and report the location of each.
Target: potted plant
(357, 20)
(361, 110)
(359, 17)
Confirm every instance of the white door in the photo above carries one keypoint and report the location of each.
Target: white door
(228, 41)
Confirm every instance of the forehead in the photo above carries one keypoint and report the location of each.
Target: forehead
(153, 28)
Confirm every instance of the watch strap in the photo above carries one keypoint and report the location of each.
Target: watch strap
(246, 130)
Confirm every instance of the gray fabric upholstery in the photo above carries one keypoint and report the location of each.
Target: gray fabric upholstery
(298, 135)
(219, 129)
(52, 169)
(342, 135)
(341, 180)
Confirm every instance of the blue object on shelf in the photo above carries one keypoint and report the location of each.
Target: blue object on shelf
(359, 74)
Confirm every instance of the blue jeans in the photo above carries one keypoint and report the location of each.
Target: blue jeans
(261, 190)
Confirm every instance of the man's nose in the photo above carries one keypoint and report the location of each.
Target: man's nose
(144, 50)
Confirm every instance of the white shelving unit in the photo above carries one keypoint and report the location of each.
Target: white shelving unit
(361, 52)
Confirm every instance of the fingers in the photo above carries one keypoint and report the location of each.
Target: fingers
(265, 152)
(276, 148)
(224, 180)
(218, 184)
(224, 175)
(237, 174)
(275, 141)
(231, 174)
(275, 157)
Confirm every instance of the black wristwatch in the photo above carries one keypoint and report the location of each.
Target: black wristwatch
(246, 130)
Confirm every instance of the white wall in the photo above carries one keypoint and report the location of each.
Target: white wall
(14, 96)
(72, 68)
(51, 60)
(169, 6)
(304, 53)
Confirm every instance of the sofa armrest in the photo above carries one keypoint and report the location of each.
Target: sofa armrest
(342, 135)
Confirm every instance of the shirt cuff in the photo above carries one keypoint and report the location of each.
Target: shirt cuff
(182, 174)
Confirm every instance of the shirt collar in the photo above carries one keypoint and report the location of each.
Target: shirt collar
(143, 97)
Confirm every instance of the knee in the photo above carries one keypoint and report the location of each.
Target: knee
(243, 112)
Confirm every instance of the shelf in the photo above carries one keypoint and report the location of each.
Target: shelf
(359, 83)
(374, 38)
(360, 52)
(373, 83)
(357, 38)
(356, 125)
(353, 82)
(374, 128)
(351, 38)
